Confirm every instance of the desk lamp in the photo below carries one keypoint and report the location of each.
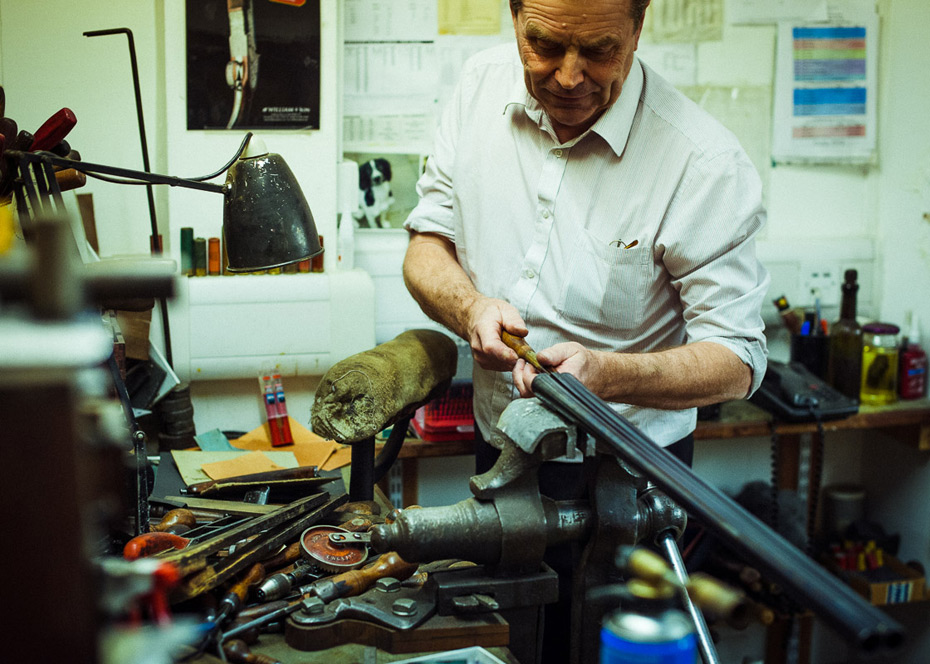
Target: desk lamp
(267, 222)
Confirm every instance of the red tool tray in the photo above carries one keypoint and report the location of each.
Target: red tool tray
(450, 417)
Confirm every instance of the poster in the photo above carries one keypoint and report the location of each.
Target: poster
(826, 89)
(253, 64)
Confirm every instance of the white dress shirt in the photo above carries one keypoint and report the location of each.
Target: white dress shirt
(544, 225)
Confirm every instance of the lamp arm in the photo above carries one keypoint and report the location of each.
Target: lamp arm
(91, 168)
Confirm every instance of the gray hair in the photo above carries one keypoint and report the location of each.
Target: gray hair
(637, 9)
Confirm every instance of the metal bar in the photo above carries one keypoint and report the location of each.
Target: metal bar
(54, 189)
(193, 558)
(38, 176)
(255, 551)
(840, 607)
(142, 176)
(155, 245)
(705, 641)
(138, 448)
(361, 480)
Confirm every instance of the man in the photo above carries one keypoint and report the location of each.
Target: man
(582, 200)
(576, 198)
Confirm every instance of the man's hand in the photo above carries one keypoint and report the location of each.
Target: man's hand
(567, 357)
(445, 293)
(488, 317)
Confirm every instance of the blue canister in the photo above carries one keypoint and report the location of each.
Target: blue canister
(631, 637)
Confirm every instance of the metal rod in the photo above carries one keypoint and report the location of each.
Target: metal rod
(840, 607)
(155, 244)
(90, 167)
(705, 641)
(362, 477)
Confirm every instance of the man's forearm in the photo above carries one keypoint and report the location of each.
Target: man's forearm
(698, 374)
(438, 283)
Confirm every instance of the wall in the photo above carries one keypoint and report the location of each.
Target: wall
(48, 64)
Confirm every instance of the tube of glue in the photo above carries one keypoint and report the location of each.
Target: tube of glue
(271, 409)
(282, 410)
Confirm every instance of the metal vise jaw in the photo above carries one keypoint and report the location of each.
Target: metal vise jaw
(507, 525)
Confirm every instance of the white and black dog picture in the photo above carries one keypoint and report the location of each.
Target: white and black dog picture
(374, 192)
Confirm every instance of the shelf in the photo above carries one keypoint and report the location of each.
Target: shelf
(909, 421)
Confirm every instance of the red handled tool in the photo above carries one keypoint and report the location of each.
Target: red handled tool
(53, 130)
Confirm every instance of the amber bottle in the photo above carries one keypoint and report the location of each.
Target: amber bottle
(845, 365)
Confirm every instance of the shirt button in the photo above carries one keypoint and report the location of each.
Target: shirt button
(545, 214)
(557, 153)
(529, 274)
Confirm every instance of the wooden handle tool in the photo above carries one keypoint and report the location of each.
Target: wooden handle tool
(69, 179)
(356, 581)
(523, 350)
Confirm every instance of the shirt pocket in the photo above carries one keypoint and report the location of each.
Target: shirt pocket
(606, 285)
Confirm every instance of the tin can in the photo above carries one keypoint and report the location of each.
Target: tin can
(630, 637)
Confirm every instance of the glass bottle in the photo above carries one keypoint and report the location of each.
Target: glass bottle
(844, 368)
(912, 370)
(879, 363)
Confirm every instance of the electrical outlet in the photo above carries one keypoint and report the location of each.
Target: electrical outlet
(821, 281)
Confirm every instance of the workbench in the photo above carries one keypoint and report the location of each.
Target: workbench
(907, 421)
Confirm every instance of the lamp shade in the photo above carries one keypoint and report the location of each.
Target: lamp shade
(267, 222)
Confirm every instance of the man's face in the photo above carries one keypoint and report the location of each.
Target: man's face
(576, 55)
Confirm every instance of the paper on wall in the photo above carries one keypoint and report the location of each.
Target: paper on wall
(743, 12)
(826, 87)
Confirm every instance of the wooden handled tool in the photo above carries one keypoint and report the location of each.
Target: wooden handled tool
(241, 588)
(148, 544)
(69, 179)
(236, 595)
(523, 350)
(356, 581)
(174, 519)
(301, 477)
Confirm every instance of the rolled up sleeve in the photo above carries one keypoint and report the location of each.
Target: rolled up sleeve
(710, 253)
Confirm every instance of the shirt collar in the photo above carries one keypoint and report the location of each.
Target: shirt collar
(614, 126)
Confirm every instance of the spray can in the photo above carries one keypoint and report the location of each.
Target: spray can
(648, 629)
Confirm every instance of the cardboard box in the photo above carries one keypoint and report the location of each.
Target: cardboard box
(893, 583)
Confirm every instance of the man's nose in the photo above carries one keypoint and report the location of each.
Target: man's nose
(570, 72)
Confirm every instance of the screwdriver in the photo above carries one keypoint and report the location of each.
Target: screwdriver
(232, 601)
(524, 351)
(53, 130)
